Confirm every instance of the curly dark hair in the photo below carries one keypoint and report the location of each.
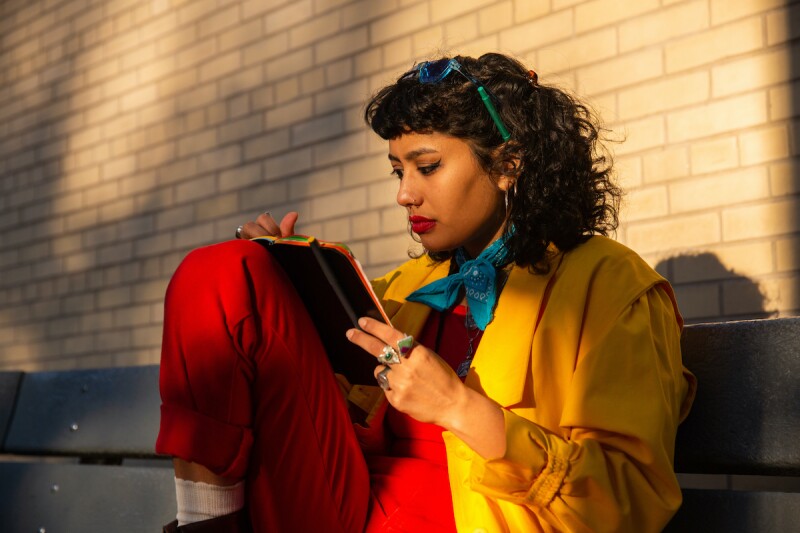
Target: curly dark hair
(563, 188)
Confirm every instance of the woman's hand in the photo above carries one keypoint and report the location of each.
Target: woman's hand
(422, 385)
(266, 225)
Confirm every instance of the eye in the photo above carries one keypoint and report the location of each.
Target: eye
(398, 172)
(429, 169)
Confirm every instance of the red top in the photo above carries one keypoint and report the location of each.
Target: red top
(416, 451)
(408, 437)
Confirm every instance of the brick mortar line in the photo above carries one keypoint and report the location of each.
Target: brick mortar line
(65, 111)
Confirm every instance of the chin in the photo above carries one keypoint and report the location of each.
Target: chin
(434, 245)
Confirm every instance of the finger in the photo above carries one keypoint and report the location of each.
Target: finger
(251, 230)
(378, 370)
(381, 330)
(367, 342)
(381, 374)
(287, 224)
(266, 221)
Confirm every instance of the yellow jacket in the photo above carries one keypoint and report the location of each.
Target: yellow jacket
(586, 363)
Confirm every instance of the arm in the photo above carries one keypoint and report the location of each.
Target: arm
(478, 422)
(609, 465)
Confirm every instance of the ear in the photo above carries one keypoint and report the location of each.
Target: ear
(505, 182)
(512, 166)
(510, 174)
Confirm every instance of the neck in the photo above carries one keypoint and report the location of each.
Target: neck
(473, 253)
(474, 248)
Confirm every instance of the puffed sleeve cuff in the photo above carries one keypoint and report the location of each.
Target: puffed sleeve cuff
(530, 473)
(222, 448)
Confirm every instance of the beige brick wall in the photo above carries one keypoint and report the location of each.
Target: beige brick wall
(132, 131)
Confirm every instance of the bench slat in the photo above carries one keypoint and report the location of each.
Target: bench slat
(110, 411)
(746, 418)
(705, 511)
(88, 497)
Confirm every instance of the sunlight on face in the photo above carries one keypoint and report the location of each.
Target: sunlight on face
(451, 201)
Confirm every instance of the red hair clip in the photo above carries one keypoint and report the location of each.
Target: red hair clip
(533, 78)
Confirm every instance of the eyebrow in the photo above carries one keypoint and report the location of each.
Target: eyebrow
(413, 154)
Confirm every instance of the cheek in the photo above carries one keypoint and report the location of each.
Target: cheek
(483, 199)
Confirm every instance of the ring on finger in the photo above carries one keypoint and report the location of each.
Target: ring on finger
(239, 232)
(405, 345)
(389, 355)
(383, 378)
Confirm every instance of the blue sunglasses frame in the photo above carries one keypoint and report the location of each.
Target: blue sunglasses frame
(436, 71)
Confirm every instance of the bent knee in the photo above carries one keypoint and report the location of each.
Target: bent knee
(223, 256)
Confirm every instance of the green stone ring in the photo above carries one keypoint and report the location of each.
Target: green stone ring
(405, 345)
(389, 355)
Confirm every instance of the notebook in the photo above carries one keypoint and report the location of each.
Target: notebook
(336, 292)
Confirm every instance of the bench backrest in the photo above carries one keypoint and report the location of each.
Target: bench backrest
(89, 413)
(51, 422)
(745, 421)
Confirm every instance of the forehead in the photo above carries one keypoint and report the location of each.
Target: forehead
(413, 145)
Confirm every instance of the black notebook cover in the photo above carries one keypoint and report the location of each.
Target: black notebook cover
(334, 299)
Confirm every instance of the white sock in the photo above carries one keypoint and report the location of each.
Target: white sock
(200, 501)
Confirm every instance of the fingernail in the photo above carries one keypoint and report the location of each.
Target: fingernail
(349, 333)
(362, 322)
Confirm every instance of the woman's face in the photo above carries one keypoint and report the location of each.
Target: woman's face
(451, 201)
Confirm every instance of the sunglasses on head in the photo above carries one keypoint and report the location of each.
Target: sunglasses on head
(436, 71)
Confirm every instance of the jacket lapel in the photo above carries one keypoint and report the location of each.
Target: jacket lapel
(500, 367)
(410, 317)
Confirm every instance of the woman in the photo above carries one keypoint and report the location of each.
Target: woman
(563, 419)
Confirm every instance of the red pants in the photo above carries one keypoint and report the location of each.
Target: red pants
(247, 391)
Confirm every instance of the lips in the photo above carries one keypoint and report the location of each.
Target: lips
(420, 224)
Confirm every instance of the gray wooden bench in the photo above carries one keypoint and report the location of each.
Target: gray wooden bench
(77, 446)
(746, 424)
(78, 452)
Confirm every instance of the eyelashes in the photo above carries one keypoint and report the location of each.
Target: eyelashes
(425, 170)
(429, 169)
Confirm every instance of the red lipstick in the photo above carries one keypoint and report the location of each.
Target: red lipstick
(420, 224)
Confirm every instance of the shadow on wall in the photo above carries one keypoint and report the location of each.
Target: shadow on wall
(114, 164)
(707, 291)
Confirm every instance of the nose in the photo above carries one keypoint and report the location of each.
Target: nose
(406, 194)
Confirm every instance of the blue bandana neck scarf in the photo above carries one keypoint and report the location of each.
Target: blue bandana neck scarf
(478, 277)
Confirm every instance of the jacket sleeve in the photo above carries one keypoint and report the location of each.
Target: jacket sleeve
(610, 468)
